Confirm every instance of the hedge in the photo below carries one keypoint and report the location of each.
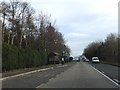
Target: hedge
(17, 58)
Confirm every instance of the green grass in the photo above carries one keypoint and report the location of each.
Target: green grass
(111, 63)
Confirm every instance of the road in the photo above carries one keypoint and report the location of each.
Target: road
(111, 71)
(81, 75)
(32, 80)
(74, 75)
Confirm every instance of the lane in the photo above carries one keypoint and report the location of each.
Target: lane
(32, 80)
(111, 71)
(81, 75)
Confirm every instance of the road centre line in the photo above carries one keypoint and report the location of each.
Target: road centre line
(40, 85)
(105, 76)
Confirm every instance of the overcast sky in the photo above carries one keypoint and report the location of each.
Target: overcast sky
(81, 21)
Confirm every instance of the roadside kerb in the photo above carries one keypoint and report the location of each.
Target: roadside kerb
(26, 73)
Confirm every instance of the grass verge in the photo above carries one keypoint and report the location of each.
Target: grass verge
(111, 63)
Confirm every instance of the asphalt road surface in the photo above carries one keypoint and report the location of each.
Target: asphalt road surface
(81, 75)
(111, 71)
(32, 80)
(72, 75)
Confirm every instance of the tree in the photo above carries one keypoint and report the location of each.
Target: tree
(5, 10)
(107, 51)
(27, 38)
(92, 50)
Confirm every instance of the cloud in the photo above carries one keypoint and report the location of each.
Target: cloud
(77, 35)
(81, 21)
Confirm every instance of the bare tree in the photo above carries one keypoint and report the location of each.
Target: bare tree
(5, 11)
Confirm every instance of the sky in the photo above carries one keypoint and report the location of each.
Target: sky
(81, 21)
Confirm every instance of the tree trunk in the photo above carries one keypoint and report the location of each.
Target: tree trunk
(12, 40)
(8, 37)
(20, 40)
(26, 42)
(2, 35)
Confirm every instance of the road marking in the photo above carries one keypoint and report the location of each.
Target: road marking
(40, 85)
(44, 69)
(105, 76)
(103, 72)
(117, 80)
(63, 66)
(26, 73)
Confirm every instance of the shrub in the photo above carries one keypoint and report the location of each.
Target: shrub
(16, 58)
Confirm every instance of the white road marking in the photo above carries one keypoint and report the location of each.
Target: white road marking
(44, 69)
(25, 73)
(63, 66)
(103, 72)
(40, 85)
(117, 80)
(105, 76)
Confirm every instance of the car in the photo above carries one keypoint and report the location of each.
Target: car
(77, 59)
(95, 60)
(87, 60)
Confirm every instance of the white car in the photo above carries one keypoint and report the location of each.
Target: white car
(95, 60)
(87, 60)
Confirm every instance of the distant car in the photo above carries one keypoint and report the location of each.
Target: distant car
(95, 60)
(77, 59)
(87, 60)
